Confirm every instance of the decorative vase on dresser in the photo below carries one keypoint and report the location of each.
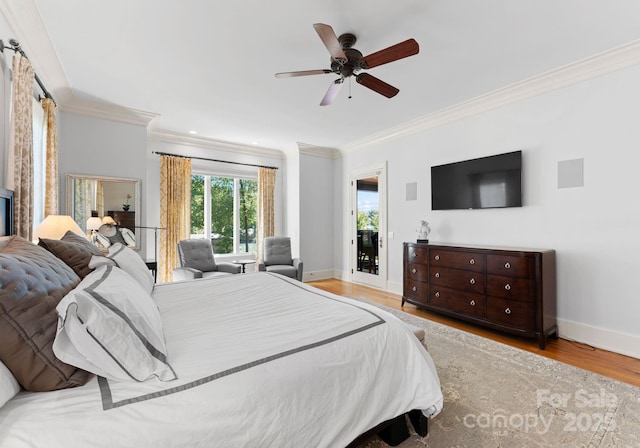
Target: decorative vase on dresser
(507, 289)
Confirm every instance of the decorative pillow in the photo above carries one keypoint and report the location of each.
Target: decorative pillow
(110, 325)
(8, 385)
(117, 238)
(129, 261)
(97, 261)
(32, 282)
(74, 250)
(129, 237)
(103, 240)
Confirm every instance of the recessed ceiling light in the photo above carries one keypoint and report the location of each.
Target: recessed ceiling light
(193, 132)
(254, 143)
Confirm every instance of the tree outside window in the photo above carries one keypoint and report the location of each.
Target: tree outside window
(224, 210)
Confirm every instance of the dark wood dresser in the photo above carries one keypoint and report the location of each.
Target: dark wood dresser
(507, 289)
(124, 219)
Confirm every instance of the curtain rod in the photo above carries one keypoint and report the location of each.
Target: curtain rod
(213, 160)
(15, 46)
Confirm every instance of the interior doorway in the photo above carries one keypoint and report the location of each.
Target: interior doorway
(368, 226)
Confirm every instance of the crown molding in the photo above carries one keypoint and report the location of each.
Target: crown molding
(600, 64)
(209, 143)
(318, 151)
(109, 112)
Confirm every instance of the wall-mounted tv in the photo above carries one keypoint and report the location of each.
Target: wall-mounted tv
(6, 212)
(486, 182)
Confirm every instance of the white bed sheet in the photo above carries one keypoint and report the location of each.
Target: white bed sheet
(262, 361)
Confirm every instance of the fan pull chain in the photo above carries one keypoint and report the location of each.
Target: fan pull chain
(349, 88)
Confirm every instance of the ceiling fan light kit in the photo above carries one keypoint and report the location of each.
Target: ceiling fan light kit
(346, 61)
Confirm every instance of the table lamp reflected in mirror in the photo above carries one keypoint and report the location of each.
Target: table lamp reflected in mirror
(93, 224)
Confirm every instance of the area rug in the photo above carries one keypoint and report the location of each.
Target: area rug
(500, 396)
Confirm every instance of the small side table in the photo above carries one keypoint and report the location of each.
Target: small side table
(153, 267)
(244, 263)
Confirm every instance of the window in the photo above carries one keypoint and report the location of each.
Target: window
(39, 162)
(223, 210)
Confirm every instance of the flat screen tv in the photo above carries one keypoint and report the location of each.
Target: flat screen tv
(487, 182)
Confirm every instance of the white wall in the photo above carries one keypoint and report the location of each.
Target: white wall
(594, 229)
(88, 145)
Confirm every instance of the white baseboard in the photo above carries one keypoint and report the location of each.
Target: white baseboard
(318, 275)
(613, 341)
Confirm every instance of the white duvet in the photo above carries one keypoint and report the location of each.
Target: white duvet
(262, 361)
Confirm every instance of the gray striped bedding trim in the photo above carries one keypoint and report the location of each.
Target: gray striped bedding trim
(107, 398)
(91, 289)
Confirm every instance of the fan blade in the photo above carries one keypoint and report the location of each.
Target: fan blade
(329, 39)
(377, 85)
(334, 88)
(302, 73)
(398, 51)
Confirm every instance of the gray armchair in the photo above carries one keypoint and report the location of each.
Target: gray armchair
(197, 261)
(277, 258)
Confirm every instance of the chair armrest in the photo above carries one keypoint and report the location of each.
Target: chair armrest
(232, 268)
(261, 265)
(180, 274)
(297, 263)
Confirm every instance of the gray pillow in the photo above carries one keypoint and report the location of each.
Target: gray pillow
(32, 283)
(74, 250)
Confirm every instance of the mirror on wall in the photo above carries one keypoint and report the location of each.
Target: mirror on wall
(115, 201)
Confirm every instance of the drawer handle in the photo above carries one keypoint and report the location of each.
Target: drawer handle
(437, 294)
(507, 265)
(414, 289)
(436, 275)
(507, 287)
(472, 261)
(507, 311)
(472, 281)
(414, 254)
(437, 257)
(414, 270)
(472, 303)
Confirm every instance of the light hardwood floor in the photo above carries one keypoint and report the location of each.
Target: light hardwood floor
(613, 365)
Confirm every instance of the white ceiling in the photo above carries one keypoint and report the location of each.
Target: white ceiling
(208, 66)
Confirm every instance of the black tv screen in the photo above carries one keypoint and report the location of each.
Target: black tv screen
(487, 182)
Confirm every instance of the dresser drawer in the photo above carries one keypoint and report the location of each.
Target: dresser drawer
(511, 265)
(457, 279)
(418, 272)
(470, 261)
(457, 301)
(417, 254)
(513, 288)
(520, 315)
(416, 290)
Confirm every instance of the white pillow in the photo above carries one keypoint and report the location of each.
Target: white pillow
(109, 325)
(103, 240)
(129, 261)
(8, 385)
(129, 237)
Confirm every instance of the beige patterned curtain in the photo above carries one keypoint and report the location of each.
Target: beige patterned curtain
(51, 164)
(100, 199)
(266, 208)
(82, 202)
(20, 178)
(175, 211)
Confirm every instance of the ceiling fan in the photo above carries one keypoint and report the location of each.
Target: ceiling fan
(347, 61)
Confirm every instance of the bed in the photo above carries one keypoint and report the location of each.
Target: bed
(247, 360)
